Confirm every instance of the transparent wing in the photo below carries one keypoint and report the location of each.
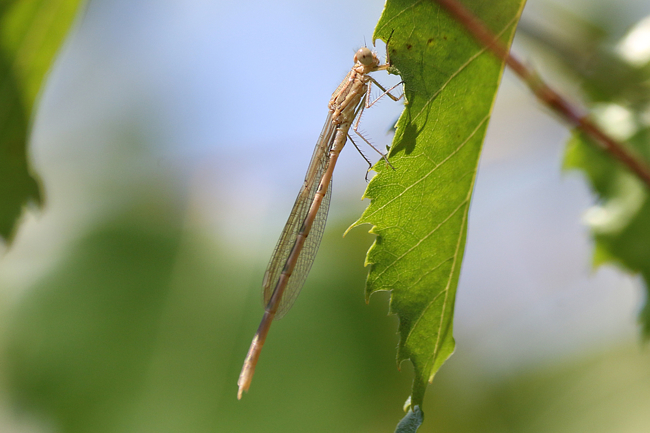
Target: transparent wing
(317, 167)
(306, 257)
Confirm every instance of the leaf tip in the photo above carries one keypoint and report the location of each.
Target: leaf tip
(411, 421)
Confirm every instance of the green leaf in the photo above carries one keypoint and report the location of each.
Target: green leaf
(419, 210)
(411, 422)
(620, 222)
(31, 33)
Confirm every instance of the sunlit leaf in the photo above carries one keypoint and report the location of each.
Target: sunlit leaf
(419, 210)
(31, 32)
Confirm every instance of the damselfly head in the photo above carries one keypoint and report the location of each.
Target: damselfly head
(366, 57)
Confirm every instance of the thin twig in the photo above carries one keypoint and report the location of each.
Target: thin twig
(548, 96)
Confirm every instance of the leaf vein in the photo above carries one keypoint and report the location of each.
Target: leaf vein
(447, 287)
(432, 270)
(451, 274)
(460, 146)
(421, 240)
(461, 68)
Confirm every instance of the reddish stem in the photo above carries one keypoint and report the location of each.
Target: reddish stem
(544, 93)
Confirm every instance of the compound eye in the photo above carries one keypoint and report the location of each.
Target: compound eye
(364, 56)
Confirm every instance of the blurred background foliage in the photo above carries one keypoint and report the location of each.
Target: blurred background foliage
(128, 303)
(614, 75)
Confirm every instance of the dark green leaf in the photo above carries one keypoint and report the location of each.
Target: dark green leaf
(32, 32)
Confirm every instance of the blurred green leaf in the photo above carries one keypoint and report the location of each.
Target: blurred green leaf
(83, 339)
(31, 32)
(419, 210)
(620, 222)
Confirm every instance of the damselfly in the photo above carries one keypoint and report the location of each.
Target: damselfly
(298, 244)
